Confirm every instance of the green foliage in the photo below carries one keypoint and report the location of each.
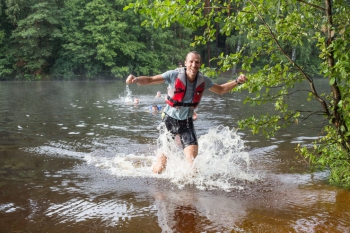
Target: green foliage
(327, 153)
(2, 35)
(283, 45)
(80, 39)
(102, 40)
(34, 40)
(91, 36)
(4, 60)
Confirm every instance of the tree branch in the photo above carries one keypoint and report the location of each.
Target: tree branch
(306, 76)
(313, 5)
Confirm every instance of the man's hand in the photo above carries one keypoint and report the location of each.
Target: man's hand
(131, 79)
(241, 79)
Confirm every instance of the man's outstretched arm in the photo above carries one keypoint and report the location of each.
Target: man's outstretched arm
(145, 80)
(226, 87)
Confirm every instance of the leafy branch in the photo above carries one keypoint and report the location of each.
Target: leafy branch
(306, 76)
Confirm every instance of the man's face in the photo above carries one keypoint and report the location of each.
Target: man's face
(192, 64)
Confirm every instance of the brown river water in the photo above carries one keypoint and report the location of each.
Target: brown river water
(77, 156)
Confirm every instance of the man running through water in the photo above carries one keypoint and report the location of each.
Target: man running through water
(186, 87)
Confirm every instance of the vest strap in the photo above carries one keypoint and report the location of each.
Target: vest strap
(176, 103)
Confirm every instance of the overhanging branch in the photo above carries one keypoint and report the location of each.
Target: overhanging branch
(313, 5)
(306, 76)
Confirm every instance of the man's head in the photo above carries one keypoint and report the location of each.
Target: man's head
(154, 108)
(192, 63)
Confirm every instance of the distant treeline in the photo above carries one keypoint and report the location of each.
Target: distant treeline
(94, 39)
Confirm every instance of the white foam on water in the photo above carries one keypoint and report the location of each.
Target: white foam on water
(56, 149)
(122, 165)
(8, 208)
(221, 163)
(309, 225)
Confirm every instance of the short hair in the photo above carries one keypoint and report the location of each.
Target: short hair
(194, 52)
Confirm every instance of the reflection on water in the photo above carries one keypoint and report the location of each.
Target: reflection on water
(80, 153)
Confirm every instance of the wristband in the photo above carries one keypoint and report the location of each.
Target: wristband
(238, 82)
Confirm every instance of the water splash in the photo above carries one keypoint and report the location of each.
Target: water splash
(221, 163)
(128, 95)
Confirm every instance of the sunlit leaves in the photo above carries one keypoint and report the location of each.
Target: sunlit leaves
(328, 153)
(265, 124)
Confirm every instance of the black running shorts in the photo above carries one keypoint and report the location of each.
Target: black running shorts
(184, 128)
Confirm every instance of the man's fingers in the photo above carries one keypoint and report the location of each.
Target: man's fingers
(242, 78)
(129, 79)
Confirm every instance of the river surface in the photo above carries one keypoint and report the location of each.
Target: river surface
(77, 157)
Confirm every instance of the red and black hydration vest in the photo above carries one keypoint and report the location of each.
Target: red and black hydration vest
(177, 93)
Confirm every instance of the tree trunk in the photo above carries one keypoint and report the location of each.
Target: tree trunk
(337, 117)
(207, 11)
(228, 14)
(234, 69)
(294, 54)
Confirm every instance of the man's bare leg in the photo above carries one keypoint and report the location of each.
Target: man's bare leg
(191, 153)
(160, 164)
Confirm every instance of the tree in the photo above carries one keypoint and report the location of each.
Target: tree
(4, 60)
(92, 34)
(34, 39)
(102, 40)
(11, 12)
(275, 31)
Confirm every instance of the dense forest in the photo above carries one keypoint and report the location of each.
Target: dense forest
(94, 39)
